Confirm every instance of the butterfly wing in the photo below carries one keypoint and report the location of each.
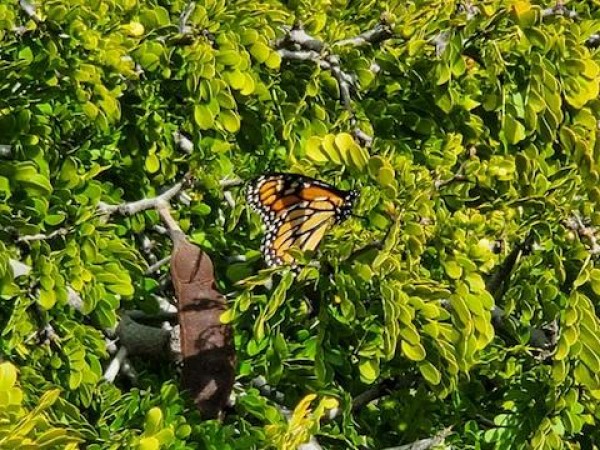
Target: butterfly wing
(297, 211)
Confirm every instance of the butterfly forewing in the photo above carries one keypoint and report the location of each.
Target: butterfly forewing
(297, 211)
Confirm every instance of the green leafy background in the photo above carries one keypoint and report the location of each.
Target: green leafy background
(484, 123)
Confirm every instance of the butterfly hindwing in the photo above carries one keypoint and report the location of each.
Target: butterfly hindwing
(297, 211)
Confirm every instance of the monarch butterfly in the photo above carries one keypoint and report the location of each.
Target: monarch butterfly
(297, 211)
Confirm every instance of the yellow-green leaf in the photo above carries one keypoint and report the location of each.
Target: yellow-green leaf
(413, 352)
(369, 370)
(8, 376)
(203, 117)
(152, 163)
(260, 51)
(153, 422)
(149, 443)
(230, 120)
(430, 373)
(313, 150)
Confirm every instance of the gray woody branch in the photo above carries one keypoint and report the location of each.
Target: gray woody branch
(30, 9)
(379, 33)
(425, 444)
(298, 45)
(131, 208)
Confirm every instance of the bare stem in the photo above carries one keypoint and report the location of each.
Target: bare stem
(114, 367)
(585, 232)
(377, 34)
(184, 17)
(131, 208)
(30, 9)
(425, 444)
(42, 236)
(157, 265)
(300, 46)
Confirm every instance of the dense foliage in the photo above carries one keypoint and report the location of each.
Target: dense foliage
(467, 296)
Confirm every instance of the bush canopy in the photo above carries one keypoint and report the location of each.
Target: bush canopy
(459, 307)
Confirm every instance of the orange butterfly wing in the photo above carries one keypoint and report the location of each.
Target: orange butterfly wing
(297, 211)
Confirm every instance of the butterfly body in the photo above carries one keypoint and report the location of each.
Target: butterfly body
(297, 211)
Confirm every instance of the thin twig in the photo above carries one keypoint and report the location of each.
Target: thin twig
(425, 444)
(296, 44)
(363, 138)
(114, 367)
(379, 33)
(30, 9)
(184, 17)
(585, 233)
(42, 236)
(131, 208)
(183, 142)
(382, 389)
(157, 265)
(230, 182)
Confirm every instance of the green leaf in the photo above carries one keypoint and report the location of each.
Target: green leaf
(260, 52)
(154, 420)
(386, 176)
(54, 219)
(369, 370)
(47, 400)
(125, 289)
(8, 376)
(413, 352)
(278, 295)
(314, 151)
(239, 271)
(230, 121)
(152, 163)
(227, 316)
(273, 61)
(203, 117)
(514, 131)
(236, 79)
(328, 146)
(229, 58)
(430, 373)
(453, 270)
(595, 280)
(148, 443)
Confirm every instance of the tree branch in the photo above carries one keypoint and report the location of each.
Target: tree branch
(585, 233)
(131, 208)
(425, 444)
(559, 9)
(166, 311)
(183, 142)
(296, 44)
(18, 268)
(381, 389)
(30, 9)
(141, 339)
(184, 17)
(42, 236)
(157, 265)
(379, 33)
